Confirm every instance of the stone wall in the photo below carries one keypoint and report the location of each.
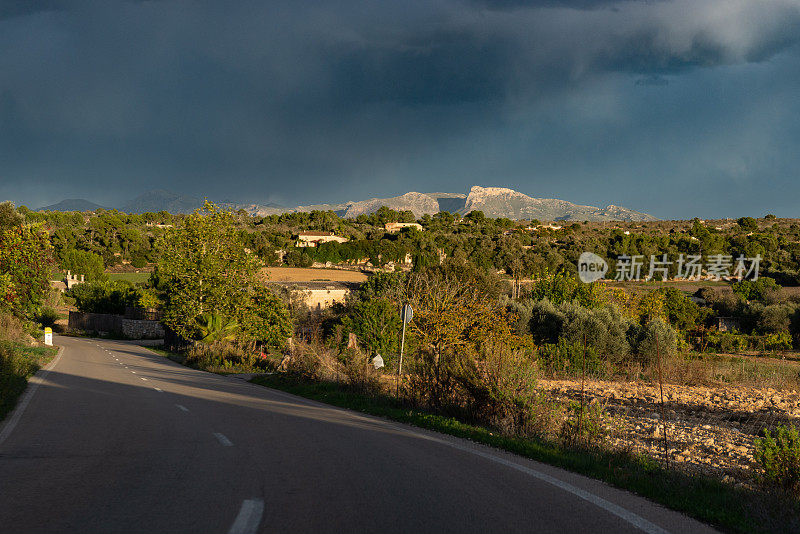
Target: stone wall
(142, 329)
(115, 324)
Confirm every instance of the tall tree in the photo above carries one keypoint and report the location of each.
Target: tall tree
(25, 266)
(205, 268)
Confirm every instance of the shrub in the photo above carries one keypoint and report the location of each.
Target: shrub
(776, 318)
(603, 329)
(505, 388)
(779, 341)
(779, 457)
(567, 357)
(727, 341)
(546, 321)
(11, 328)
(105, 297)
(584, 425)
(47, 317)
(655, 339)
(311, 361)
(360, 372)
(224, 355)
(764, 289)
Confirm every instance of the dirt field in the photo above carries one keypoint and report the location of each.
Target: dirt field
(708, 429)
(297, 274)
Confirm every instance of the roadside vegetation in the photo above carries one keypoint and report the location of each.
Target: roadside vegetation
(25, 304)
(730, 508)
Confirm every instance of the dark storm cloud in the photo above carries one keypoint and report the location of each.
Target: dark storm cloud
(19, 8)
(307, 101)
(528, 4)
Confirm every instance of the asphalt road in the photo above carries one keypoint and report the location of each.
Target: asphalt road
(118, 439)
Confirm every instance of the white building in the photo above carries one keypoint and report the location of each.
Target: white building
(393, 227)
(312, 239)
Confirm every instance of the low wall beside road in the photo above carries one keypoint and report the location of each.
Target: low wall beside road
(115, 324)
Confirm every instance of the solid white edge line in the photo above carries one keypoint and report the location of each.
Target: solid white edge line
(33, 385)
(614, 509)
(632, 518)
(626, 515)
(222, 439)
(249, 517)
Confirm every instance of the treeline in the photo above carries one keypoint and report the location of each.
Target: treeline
(90, 243)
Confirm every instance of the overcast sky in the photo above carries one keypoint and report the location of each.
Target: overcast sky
(678, 108)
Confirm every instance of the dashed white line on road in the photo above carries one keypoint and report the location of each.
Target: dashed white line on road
(182, 407)
(134, 372)
(143, 378)
(222, 439)
(159, 390)
(249, 517)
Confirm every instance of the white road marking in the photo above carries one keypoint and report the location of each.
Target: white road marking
(134, 372)
(33, 385)
(222, 439)
(626, 515)
(249, 517)
(143, 378)
(159, 390)
(182, 407)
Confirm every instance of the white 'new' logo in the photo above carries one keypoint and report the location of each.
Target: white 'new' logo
(591, 267)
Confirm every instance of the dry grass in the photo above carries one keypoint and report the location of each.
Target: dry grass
(11, 328)
(722, 370)
(299, 274)
(708, 370)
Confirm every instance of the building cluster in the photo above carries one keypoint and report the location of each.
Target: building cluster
(312, 239)
(394, 227)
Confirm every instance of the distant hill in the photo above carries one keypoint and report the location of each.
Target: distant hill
(73, 204)
(492, 201)
(161, 200)
(502, 202)
(419, 203)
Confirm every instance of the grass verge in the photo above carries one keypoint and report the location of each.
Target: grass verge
(733, 509)
(136, 278)
(182, 359)
(18, 363)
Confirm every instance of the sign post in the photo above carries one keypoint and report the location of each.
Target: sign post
(48, 336)
(408, 314)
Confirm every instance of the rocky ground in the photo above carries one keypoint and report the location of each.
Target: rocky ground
(708, 429)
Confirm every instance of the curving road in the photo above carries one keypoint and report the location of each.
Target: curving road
(114, 438)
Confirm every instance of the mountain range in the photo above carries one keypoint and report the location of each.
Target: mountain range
(492, 201)
(73, 204)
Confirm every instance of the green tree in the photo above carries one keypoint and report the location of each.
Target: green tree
(376, 324)
(86, 263)
(763, 290)
(205, 268)
(105, 297)
(25, 266)
(747, 223)
(266, 319)
(9, 216)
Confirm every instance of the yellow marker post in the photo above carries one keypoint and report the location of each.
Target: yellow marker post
(48, 336)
